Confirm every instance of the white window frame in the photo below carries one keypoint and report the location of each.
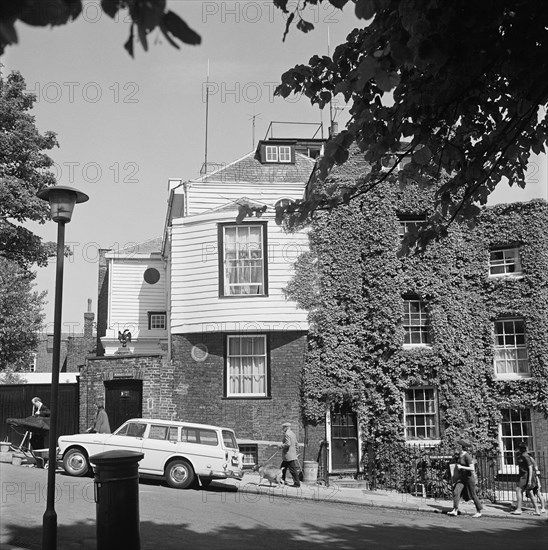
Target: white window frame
(511, 351)
(284, 153)
(239, 374)
(250, 451)
(248, 259)
(410, 327)
(278, 153)
(434, 437)
(271, 153)
(519, 427)
(510, 262)
(406, 223)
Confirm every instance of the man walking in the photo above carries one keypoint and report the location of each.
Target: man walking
(101, 424)
(289, 454)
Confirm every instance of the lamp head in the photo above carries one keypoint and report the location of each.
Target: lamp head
(61, 201)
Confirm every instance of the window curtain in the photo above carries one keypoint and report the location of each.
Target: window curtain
(247, 365)
(243, 260)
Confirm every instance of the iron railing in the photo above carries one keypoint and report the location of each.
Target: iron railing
(424, 471)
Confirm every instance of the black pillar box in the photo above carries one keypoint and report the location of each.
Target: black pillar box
(117, 499)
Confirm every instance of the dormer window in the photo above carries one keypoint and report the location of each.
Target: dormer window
(278, 153)
(284, 153)
(271, 153)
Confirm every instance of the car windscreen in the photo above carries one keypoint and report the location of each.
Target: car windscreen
(132, 429)
(229, 439)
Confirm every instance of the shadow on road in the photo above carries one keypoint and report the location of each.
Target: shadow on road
(308, 537)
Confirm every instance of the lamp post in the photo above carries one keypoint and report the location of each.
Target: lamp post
(61, 200)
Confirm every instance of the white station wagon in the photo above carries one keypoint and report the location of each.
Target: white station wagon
(176, 451)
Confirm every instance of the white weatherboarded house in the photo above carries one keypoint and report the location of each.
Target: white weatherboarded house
(237, 343)
(137, 298)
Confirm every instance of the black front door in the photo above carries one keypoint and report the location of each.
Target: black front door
(124, 400)
(344, 441)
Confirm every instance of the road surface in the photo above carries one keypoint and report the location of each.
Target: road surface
(218, 518)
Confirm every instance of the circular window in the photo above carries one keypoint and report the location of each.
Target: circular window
(199, 352)
(151, 276)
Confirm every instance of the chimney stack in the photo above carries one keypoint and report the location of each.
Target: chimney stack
(89, 317)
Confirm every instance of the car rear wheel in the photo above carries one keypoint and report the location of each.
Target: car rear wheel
(179, 474)
(75, 462)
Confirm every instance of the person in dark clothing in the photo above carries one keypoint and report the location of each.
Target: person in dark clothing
(463, 478)
(39, 409)
(527, 479)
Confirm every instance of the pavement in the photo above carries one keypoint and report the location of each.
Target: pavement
(357, 493)
(348, 492)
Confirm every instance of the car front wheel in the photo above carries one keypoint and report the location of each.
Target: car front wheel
(179, 474)
(75, 462)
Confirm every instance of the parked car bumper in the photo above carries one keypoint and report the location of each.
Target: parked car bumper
(226, 474)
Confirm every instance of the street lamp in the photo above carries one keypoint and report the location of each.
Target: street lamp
(61, 200)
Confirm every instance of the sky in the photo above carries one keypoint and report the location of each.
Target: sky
(125, 126)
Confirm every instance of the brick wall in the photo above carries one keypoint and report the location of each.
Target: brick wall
(192, 389)
(199, 390)
(75, 347)
(44, 352)
(153, 370)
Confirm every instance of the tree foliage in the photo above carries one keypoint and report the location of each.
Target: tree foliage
(146, 16)
(464, 83)
(20, 316)
(23, 172)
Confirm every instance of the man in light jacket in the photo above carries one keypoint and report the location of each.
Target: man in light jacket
(289, 454)
(101, 424)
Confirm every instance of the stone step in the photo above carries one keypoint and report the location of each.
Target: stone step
(349, 483)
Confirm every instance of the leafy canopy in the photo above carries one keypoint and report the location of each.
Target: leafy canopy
(464, 83)
(20, 316)
(23, 172)
(146, 16)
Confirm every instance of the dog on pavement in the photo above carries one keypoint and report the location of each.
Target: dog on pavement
(270, 473)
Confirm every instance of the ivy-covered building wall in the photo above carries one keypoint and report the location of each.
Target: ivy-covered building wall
(432, 346)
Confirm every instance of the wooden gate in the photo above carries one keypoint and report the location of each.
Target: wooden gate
(123, 400)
